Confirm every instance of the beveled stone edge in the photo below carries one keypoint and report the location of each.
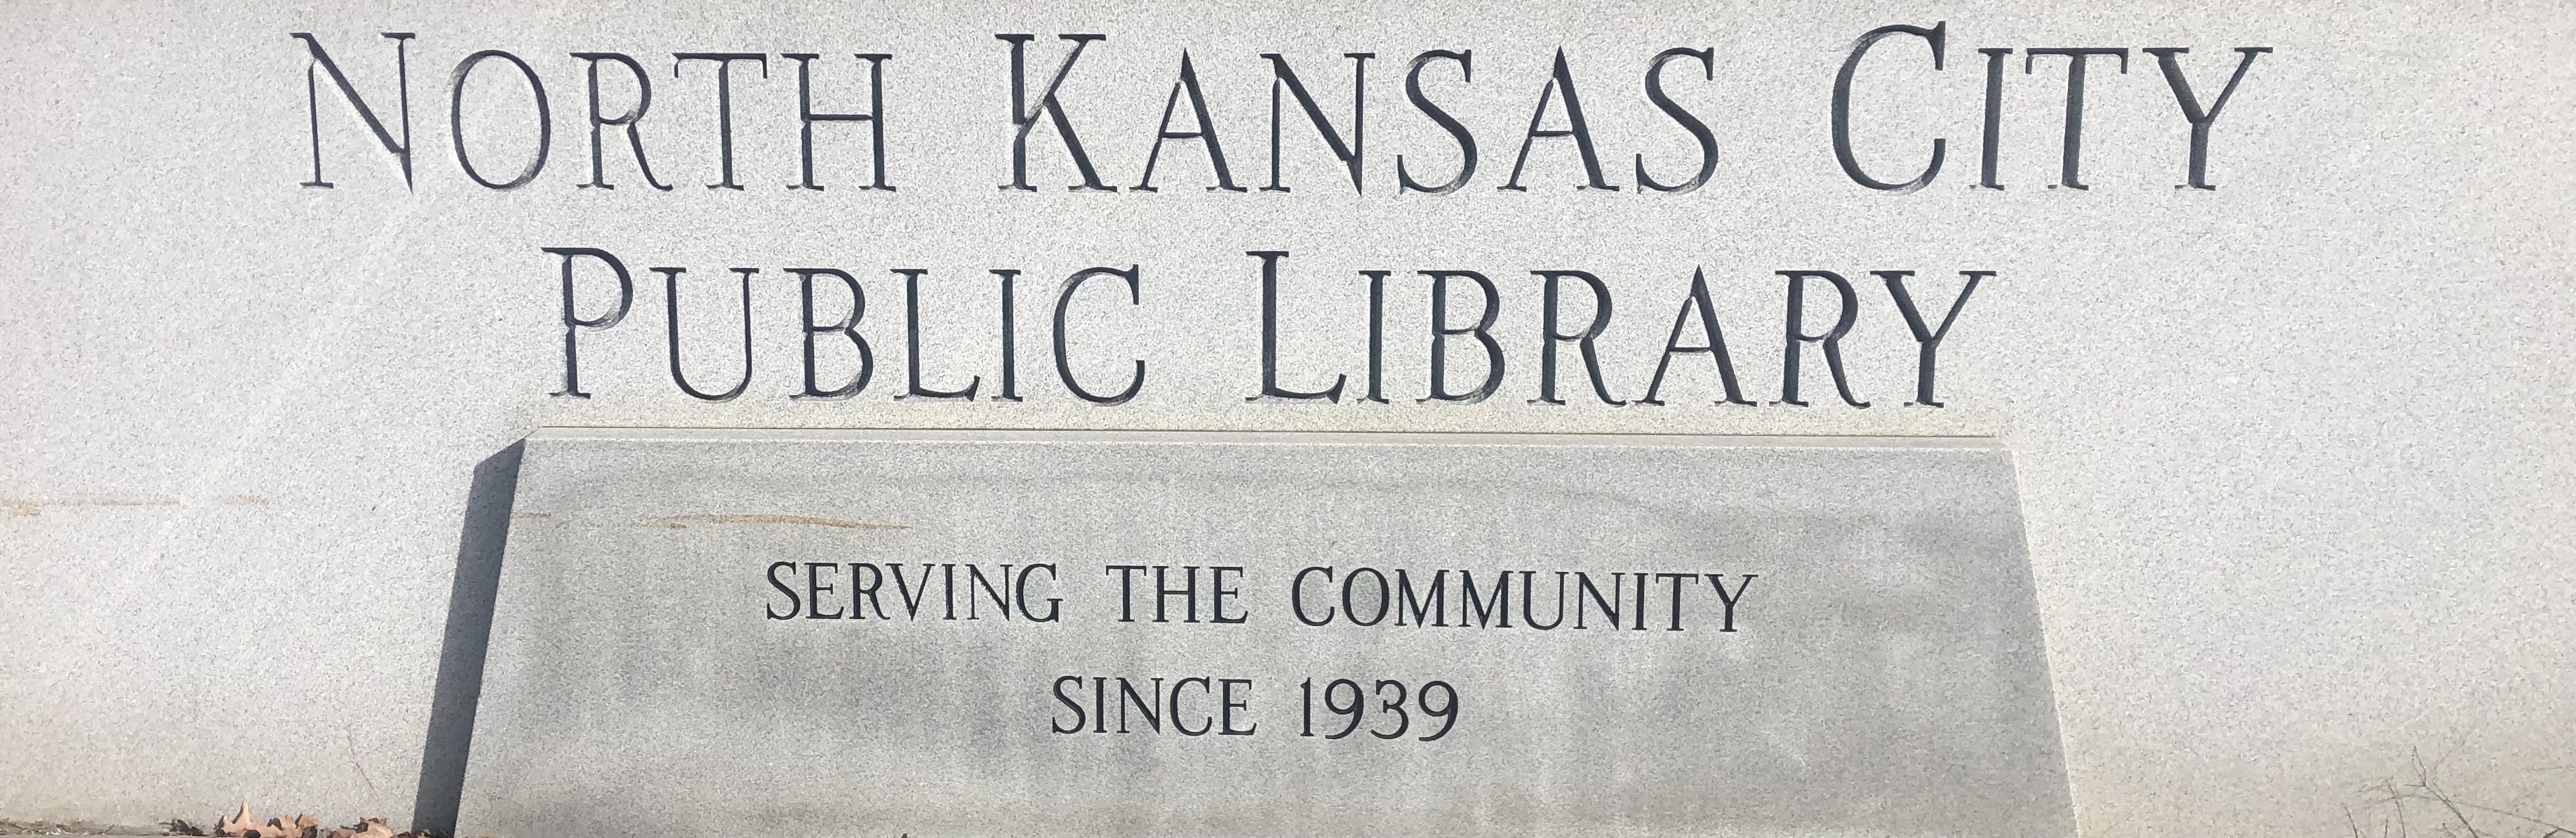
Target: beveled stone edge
(1241, 437)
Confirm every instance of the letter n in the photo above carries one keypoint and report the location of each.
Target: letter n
(313, 103)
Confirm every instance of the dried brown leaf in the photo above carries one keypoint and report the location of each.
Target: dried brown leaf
(237, 826)
(366, 828)
(240, 826)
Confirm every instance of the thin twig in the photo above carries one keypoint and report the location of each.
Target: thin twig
(2553, 828)
(352, 739)
(2424, 780)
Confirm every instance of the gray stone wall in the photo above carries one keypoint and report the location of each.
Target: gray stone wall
(2293, 454)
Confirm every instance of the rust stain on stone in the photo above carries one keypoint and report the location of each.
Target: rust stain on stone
(682, 522)
(117, 501)
(29, 508)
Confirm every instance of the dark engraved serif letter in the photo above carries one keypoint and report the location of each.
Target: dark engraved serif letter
(1010, 338)
(634, 136)
(573, 323)
(671, 294)
(2200, 120)
(1560, 84)
(875, 117)
(1716, 347)
(1441, 332)
(1929, 340)
(1842, 107)
(1064, 302)
(2068, 163)
(1377, 334)
(912, 344)
(1698, 130)
(1270, 388)
(402, 82)
(1550, 337)
(1350, 154)
(1994, 115)
(1832, 339)
(848, 327)
(724, 103)
(1206, 133)
(456, 119)
(1025, 118)
(1457, 132)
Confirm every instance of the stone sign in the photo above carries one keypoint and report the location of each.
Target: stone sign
(1112, 419)
(713, 633)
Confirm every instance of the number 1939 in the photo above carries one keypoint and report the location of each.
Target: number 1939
(1375, 708)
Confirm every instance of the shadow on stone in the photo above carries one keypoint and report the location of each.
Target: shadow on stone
(469, 629)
